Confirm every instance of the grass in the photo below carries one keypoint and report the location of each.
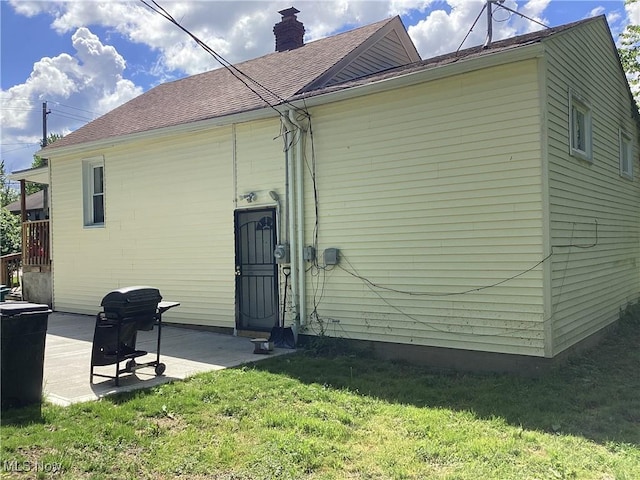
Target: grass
(346, 415)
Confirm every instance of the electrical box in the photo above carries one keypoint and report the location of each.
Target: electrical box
(331, 256)
(281, 253)
(309, 253)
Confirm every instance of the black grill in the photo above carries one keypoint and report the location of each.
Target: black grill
(125, 311)
(139, 303)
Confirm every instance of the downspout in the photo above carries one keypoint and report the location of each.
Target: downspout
(299, 192)
(290, 213)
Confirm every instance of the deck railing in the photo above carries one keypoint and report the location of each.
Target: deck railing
(35, 243)
(10, 266)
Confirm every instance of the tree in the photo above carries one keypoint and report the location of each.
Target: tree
(11, 232)
(10, 227)
(31, 187)
(7, 193)
(629, 51)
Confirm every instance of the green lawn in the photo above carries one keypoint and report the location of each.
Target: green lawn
(307, 416)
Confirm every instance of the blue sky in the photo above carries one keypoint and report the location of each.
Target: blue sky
(87, 57)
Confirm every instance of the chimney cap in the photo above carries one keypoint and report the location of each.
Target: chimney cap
(289, 12)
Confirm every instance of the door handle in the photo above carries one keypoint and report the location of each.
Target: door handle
(238, 272)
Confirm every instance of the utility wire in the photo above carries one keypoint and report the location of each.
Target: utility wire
(500, 5)
(94, 114)
(430, 294)
(235, 71)
(70, 116)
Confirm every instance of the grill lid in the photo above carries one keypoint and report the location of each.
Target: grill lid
(137, 301)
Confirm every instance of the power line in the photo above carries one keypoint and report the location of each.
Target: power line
(70, 116)
(355, 274)
(235, 71)
(21, 148)
(94, 114)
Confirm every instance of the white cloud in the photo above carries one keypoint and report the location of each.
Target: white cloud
(596, 11)
(93, 76)
(78, 87)
(633, 12)
(444, 29)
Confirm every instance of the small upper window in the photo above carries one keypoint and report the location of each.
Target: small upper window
(626, 154)
(579, 127)
(93, 186)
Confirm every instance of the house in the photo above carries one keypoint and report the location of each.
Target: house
(475, 210)
(34, 206)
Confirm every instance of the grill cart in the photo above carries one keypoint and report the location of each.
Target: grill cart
(125, 312)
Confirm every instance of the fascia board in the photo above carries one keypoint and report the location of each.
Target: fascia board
(191, 127)
(395, 24)
(413, 78)
(36, 175)
(435, 73)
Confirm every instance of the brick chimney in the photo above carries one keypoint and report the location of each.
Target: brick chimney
(289, 31)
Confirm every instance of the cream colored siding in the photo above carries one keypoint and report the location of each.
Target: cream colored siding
(433, 189)
(590, 284)
(260, 160)
(168, 224)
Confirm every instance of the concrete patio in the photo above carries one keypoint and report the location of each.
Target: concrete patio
(184, 351)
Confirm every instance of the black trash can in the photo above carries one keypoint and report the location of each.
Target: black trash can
(23, 332)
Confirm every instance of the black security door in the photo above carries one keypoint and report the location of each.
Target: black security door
(256, 270)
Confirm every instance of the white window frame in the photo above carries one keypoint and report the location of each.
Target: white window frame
(626, 154)
(89, 192)
(578, 105)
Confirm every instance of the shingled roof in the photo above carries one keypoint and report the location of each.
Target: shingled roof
(307, 71)
(453, 57)
(218, 93)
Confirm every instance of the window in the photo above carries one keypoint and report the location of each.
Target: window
(579, 127)
(93, 185)
(626, 154)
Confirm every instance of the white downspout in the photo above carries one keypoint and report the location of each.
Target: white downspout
(299, 193)
(291, 217)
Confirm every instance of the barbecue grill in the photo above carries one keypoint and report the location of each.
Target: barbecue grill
(125, 312)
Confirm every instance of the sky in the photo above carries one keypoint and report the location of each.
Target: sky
(84, 58)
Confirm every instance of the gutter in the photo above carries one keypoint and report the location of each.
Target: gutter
(311, 99)
(465, 65)
(192, 127)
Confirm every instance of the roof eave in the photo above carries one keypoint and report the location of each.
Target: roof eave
(310, 99)
(240, 117)
(488, 60)
(35, 175)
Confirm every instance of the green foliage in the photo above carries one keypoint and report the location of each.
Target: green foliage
(315, 417)
(7, 193)
(629, 52)
(9, 224)
(38, 162)
(11, 232)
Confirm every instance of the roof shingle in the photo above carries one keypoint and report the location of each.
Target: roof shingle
(218, 93)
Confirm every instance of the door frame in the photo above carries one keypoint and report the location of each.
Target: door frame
(267, 209)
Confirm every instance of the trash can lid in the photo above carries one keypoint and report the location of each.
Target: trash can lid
(9, 309)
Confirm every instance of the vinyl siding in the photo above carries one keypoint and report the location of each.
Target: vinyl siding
(432, 189)
(260, 161)
(598, 274)
(386, 53)
(168, 211)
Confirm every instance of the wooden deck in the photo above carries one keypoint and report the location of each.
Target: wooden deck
(184, 351)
